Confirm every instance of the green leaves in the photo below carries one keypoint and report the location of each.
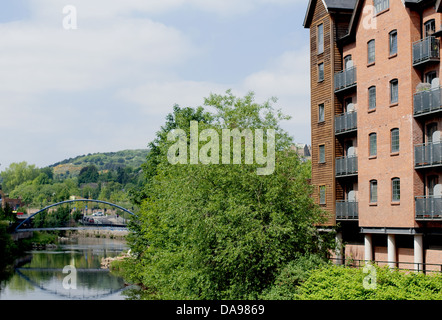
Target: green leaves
(343, 283)
(220, 231)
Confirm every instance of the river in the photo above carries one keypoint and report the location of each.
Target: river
(70, 271)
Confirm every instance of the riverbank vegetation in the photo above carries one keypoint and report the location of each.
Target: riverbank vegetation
(223, 231)
(104, 176)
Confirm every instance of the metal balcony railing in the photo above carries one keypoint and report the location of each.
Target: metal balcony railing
(346, 122)
(429, 208)
(427, 101)
(346, 210)
(428, 155)
(425, 50)
(346, 166)
(345, 79)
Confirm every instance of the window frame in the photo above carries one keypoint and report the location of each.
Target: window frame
(380, 6)
(373, 144)
(321, 119)
(432, 74)
(322, 195)
(394, 91)
(432, 25)
(395, 189)
(321, 152)
(394, 140)
(321, 73)
(373, 196)
(372, 98)
(393, 36)
(371, 51)
(320, 38)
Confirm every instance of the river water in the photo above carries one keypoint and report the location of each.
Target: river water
(70, 271)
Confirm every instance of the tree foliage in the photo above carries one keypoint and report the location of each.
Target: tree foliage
(222, 231)
(343, 283)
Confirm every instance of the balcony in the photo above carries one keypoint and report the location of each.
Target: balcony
(346, 166)
(425, 50)
(428, 155)
(428, 208)
(427, 102)
(346, 210)
(346, 122)
(345, 79)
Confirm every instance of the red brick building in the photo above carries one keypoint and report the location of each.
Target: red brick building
(376, 123)
(14, 204)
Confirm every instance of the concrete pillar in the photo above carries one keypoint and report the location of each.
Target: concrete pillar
(368, 246)
(418, 252)
(391, 241)
(339, 249)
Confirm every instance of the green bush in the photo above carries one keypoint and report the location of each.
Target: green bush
(291, 276)
(344, 283)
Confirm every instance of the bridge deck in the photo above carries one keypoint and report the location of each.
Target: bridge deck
(112, 228)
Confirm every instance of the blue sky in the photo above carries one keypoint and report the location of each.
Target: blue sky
(109, 84)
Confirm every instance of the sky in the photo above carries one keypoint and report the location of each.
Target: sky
(101, 75)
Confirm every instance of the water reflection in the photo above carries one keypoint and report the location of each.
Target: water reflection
(43, 278)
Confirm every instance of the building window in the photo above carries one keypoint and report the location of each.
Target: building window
(432, 181)
(321, 117)
(372, 98)
(396, 189)
(371, 51)
(430, 76)
(373, 144)
(347, 62)
(373, 191)
(431, 128)
(321, 194)
(394, 87)
(347, 102)
(321, 153)
(320, 72)
(320, 38)
(393, 42)
(430, 27)
(380, 5)
(395, 140)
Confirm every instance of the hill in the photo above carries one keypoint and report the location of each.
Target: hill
(103, 161)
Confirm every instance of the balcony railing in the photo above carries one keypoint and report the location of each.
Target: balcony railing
(346, 122)
(346, 166)
(427, 101)
(425, 50)
(429, 208)
(346, 210)
(428, 155)
(345, 79)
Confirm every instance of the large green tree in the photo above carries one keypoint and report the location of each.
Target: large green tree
(221, 231)
(18, 173)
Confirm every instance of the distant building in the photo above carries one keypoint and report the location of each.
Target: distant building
(303, 150)
(14, 204)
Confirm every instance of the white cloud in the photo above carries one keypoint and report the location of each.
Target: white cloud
(121, 53)
(158, 98)
(35, 60)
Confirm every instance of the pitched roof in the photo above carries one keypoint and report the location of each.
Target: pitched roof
(330, 5)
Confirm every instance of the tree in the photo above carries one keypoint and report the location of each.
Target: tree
(18, 173)
(88, 174)
(220, 231)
